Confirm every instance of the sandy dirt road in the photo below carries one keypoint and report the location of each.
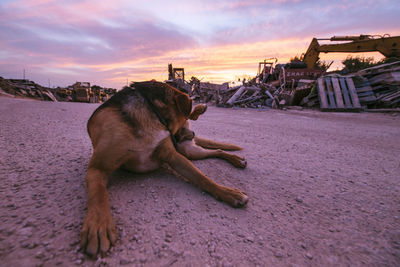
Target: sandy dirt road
(323, 188)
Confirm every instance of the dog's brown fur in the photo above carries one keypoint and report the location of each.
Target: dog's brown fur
(125, 132)
(194, 148)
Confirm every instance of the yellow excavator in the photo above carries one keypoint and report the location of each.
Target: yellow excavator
(386, 45)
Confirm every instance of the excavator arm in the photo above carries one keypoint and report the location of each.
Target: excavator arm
(387, 46)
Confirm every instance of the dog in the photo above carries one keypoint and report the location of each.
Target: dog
(195, 148)
(135, 129)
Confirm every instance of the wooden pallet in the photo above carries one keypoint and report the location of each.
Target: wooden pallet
(337, 94)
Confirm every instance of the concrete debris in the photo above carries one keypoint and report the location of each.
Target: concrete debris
(275, 86)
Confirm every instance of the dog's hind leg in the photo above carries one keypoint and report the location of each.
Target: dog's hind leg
(194, 152)
(206, 143)
(167, 153)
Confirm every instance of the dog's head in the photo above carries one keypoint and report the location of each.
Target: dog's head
(184, 133)
(173, 105)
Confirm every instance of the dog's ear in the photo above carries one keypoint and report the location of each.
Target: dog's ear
(184, 104)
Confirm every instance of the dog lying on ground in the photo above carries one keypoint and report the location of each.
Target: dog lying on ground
(194, 148)
(135, 129)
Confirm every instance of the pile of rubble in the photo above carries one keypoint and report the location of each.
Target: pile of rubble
(275, 86)
(294, 85)
(283, 85)
(25, 88)
(78, 92)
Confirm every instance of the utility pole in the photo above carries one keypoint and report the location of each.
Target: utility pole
(24, 74)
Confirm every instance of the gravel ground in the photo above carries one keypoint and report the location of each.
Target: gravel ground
(323, 188)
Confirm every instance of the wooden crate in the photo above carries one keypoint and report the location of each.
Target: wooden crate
(337, 94)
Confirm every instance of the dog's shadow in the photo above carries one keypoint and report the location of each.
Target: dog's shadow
(123, 177)
(132, 191)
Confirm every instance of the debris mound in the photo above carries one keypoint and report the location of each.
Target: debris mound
(25, 88)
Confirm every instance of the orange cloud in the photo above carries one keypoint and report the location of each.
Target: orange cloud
(215, 63)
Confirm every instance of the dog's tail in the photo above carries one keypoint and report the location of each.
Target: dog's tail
(206, 143)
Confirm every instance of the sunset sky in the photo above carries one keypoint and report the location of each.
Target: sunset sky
(109, 42)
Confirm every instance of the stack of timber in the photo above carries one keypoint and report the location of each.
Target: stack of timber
(372, 88)
(379, 86)
(337, 94)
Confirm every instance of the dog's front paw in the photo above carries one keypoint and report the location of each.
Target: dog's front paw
(98, 233)
(233, 197)
(201, 108)
(197, 111)
(238, 161)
